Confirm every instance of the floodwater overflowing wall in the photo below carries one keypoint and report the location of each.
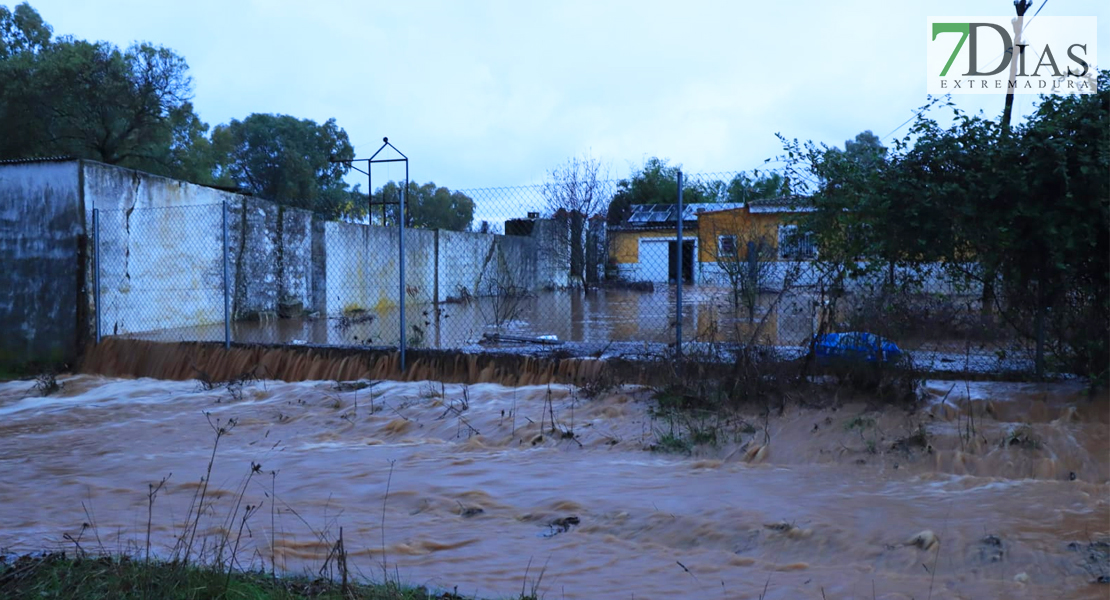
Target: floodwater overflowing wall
(121, 357)
(161, 256)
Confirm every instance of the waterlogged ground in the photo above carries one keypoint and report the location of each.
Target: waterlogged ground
(836, 502)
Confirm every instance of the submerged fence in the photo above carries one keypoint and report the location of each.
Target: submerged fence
(712, 267)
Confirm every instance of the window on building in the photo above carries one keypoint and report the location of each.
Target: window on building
(726, 246)
(795, 244)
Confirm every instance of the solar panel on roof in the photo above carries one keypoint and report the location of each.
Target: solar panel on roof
(668, 213)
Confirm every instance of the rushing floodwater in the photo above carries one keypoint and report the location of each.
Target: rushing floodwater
(825, 503)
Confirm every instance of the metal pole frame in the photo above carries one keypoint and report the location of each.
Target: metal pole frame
(678, 271)
(400, 221)
(96, 270)
(227, 292)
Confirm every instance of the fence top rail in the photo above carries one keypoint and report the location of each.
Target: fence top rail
(151, 208)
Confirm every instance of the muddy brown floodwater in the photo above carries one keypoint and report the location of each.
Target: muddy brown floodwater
(837, 502)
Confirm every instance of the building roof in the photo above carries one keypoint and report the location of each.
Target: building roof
(782, 204)
(646, 215)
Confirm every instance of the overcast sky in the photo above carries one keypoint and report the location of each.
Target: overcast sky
(486, 94)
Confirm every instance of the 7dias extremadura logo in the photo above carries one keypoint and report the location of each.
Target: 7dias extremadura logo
(992, 55)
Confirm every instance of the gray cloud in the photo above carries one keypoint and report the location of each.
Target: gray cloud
(495, 93)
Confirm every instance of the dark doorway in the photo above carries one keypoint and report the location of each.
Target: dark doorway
(687, 261)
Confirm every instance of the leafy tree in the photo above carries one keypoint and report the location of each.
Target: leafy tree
(189, 156)
(287, 160)
(429, 206)
(22, 31)
(1029, 211)
(1046, 230)
(758, 185)
(133, 108)
(870, 206)
(92, 100)
(657, 183)
(865, 148)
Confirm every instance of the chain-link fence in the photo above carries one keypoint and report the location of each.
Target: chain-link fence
(591, 265)
(159, 273)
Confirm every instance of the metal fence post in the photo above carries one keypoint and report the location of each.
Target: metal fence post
(96, 269)
(678, 278)
(401, 262)
(400, 223)
(227, 295)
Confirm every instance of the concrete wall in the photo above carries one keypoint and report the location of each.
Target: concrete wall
(162, 258)
(362, 267)
(476, 264)
(552, 252)
(774, 274)
(159, 268)
(271, 258)
(162, 252)
(41, 253)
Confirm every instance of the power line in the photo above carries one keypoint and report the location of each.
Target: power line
(1025, 27)
(892, 132)
(1038, 11)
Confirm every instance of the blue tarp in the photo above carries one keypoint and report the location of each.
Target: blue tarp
(856, 345)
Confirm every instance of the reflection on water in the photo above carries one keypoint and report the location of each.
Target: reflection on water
(845, 502)
(596, 315)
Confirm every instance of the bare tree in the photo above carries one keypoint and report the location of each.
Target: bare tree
(505, 299)
(577, 190)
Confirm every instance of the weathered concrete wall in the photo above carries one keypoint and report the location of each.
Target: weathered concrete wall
(362, 267)
(271, 258)
(160, 269)
(162, 257)
(161, 250)
(520, 260)
(478, 264)
(41, 251)
(347, 285)
(114, 188)
(552, 254)
(931, 277)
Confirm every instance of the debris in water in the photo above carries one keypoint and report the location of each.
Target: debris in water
(990, 549)
(352, 386)
(47, 383)
(561, 525)
(790, 530)
(495, 338)
(925, 540)
(1097, 560)
(1022, 435)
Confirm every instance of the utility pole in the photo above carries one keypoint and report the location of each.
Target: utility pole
(1017, 53)
(1020, 6)
(678, 277)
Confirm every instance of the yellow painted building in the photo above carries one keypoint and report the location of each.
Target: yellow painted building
(645, 248)
(773, 224)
